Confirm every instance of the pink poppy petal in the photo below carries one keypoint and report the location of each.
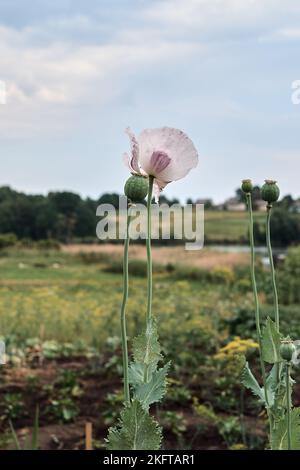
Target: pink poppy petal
(175, 144)
(134, 163)
(158, 186)
(127, 161)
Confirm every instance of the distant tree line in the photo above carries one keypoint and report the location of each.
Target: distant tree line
(61, 215)
(66, 216)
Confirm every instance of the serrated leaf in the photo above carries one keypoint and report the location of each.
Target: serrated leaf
(136, 373)
(137, 430)
(154, 390)
(250, 382)
(270, 343)
(280, 393)
(140, 373)
(146, 347)
(271, 385)
(279, 440)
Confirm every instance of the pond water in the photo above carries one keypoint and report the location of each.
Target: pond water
(278, 253)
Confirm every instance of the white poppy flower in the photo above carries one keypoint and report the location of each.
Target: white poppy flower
(167, 154)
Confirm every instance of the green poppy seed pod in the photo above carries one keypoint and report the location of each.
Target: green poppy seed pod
(270, 191)
(136, 188)
(247, 186)
(287, 349)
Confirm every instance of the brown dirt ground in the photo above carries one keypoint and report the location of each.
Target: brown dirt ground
(206, 258)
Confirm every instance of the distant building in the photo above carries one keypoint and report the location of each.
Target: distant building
(260, 206)
(233, 204)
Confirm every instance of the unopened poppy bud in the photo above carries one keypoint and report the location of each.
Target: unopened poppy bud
(136, 188)
(287, 349)
(247, 186)
(270, 192)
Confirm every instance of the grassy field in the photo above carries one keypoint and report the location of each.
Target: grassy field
(66, 295)
(220, 226)
(59, 315)
(228, 225)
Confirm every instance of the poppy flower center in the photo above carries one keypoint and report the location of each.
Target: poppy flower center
(159, 161)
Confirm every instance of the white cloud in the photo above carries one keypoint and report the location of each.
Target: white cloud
(50, 71)
(65, 75)
(221, 17)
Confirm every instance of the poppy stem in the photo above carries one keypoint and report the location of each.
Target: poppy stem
(256, 300)
(123, 314)
(273, 276)
(288, 405)
(149, 254)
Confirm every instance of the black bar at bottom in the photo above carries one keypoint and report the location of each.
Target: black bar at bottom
(136, 459)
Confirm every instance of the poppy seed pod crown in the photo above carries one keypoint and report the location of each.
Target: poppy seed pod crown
(247, 186)
(136, 188)
(270, 191)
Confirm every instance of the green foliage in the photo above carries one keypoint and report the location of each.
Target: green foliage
(250, 382)
(154, 390)
(280, 392)
(137, 268)
(175, 423)
(149, 386)
(7, 239)
(29, 444)
(285, 229)
(279, 439)
(289, 277)
(13, 406)
(63, 409)
(136, 430)
(146, 347)
(271, 343)
(64, 394)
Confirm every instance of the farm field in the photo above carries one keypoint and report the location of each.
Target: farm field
(222, 226)
(59, 315)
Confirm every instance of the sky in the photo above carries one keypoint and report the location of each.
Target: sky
(78, 72)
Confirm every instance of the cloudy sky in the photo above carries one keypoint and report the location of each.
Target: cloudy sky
(78, 72)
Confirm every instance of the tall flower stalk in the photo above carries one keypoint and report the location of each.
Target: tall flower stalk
(272, 268)
(123, 312)
(149, 253)
(270, 193)
(247, 188)
(157, 157)
(288, 404)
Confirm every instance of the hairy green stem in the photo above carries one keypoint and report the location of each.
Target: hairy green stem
(257, 310)
(149, 254)
(288, 405)
(273, 276)
(123, 313)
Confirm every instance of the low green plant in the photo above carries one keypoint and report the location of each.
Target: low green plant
(13, 406)
(31, 443)
(64, 396)
(275, 350)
